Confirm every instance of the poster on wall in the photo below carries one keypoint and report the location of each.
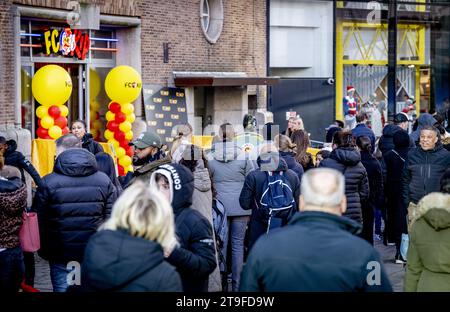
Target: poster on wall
(165, 108)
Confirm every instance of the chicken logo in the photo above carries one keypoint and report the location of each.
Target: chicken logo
(66, 41)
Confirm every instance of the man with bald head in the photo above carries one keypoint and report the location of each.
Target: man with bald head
(317, 250)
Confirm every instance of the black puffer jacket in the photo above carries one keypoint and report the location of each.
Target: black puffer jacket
(423, 171)
(252, 192)
(348, 162)
(92, 146)
(13, 201)
(386, 142)
(74, 202)
(117, 261)
(292, 164)
(17, 159)
(195, 259)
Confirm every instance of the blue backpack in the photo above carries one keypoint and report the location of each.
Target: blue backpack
(277, 200)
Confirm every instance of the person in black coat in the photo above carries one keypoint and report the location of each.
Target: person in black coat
(425, 166)
(394, 161)
(105, 164)
(386, 142)
(17, 159)
(75, 200)
(195, 257)
(347, 160)
(252, 191)
(87, 141)
(301, 256)
(127, 254)
(375, 176)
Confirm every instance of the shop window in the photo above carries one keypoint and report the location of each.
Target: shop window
(103, 44)
(211, 19)
(26, 98)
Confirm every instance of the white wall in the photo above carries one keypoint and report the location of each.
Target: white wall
(301, 38)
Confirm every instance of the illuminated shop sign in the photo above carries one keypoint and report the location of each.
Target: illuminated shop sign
(67, 42)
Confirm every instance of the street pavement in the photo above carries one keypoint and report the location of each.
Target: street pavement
(396, 272)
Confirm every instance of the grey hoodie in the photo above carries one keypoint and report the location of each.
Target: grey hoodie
(228, 170)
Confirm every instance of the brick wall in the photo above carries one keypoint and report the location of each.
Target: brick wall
(7, 82)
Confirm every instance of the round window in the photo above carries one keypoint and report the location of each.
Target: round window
(211, 19)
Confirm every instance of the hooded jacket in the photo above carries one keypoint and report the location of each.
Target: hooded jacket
(362, 130)
(74, 202)
(195, 258)
(423, 171)
(428, 266)
(117, 261)
(292, 164)
(386, 142)
(348, 162)
(228, 170)
(303, 257)
(424, 119)
(17, 159)
(13, 201)
(254, 187)
(87, 142)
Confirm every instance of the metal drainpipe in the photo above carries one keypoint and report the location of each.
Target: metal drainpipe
(17, 68)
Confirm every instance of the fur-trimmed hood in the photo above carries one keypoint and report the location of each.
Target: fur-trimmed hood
(435, 209)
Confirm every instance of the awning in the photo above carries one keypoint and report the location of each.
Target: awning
(220, 79)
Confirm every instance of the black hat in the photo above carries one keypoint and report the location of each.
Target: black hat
(401, 117)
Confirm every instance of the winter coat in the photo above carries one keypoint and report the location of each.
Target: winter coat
(87, 142)
(386, 142)
(252, 192)
(144, 172)
(202, 202)
(117, 261)
(17, 159)
(423, 171)
(195, 258)
(228, 171)
(13, 201)
(375, 177)
(362, 130)
(292, 164)
(428, 267)
(299, 257)
(348, 162)
(424, 119)
(75, 201)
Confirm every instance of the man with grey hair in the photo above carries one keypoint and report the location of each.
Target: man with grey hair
(318, 250)
(75, 200)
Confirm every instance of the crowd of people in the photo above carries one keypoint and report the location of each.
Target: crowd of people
(256, 211)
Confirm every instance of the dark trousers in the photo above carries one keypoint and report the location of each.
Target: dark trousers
(28, 258)
(368, 215)
(11, 270)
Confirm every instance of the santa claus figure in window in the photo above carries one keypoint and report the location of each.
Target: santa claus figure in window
(350, 108)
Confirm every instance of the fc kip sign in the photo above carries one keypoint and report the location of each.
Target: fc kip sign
(67, 42)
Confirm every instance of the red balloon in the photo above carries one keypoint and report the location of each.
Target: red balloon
(124, 144)
(121, 170)
(130, 151)
(97, 115)
(120, 117)
(119, 136)
(114, 107)
(61, 122)
(112, 126)
(39, 123)
(42, 133)
(54, 111)
(65, 130)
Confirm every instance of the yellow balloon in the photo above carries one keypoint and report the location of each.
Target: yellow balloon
(109, 135)
(94, 83)
(110, 116)
(131, 118)
(125, 126)
(54, 132)
(129, 135)
(47, 122)
(125, 161)
(127, 108)
(120, 152)
(41, 111)
(123, 84)
(130, 168)
(97, 125)
(51, 85)
(64, 110)
(114, 143)
(95, 106)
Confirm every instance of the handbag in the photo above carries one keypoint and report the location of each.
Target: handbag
(29, 232)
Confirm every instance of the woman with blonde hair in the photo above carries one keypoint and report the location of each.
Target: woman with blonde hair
(287, 152)
(128, 251)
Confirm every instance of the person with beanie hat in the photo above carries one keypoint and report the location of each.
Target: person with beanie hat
(396, 210)
(195, 257)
